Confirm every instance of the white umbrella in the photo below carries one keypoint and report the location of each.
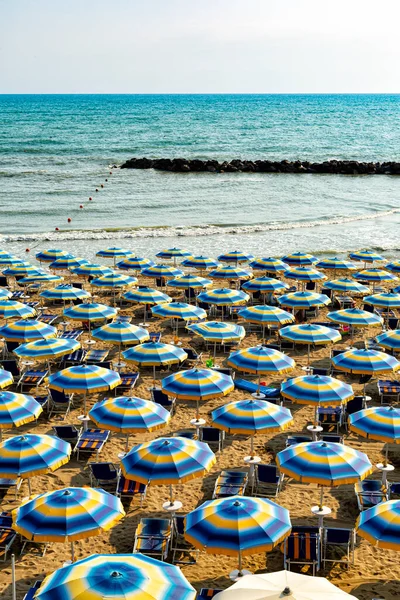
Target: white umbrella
(281, 585)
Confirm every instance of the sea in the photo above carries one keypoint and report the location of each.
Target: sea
(56, 150)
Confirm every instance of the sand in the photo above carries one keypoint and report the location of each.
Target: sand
(375, 572)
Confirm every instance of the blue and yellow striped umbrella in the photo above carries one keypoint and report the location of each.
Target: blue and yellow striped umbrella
(197, 384)
(67, 515)
(393, 266)
(91, 270)
(336, 264)
(164, 271)
(260, 360)
(223, 297)
(146, 295)
(365, 362)
(178, 310)
(28, 455)
(51, 255)
(366, 256)
(237, 526)
(173, 253)
(113, 280)
(129, 414)
(64, 292)
(390, 300)
(166, 461)
(355, 317)
(41, 278)
(304, 274)
(309, 333)
(17, 409)
(299, 300)
(266, 314)
(114, 252)
(377, 423)
(201, 263)
(264, 285)
(68, 262)
(84, 378)
(375, 275)
(47, 349)
(390, 339)
(27, 331)
(317, 389)
(300, 259)
(269, 265)
(347, 285)
(230, 272)
(154, 354)
(380, 525)
(22, 269)
(6, 378)
(9, 260)
(217, 331)
(121, 333)
(90, 312)
(135, 263)
(190, 282)
(248, 417)
(11, 309)
(4, 294)
(324, 463)
(236, 256)
(117, 577)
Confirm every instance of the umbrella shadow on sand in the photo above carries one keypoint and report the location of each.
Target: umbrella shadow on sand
(378, 589)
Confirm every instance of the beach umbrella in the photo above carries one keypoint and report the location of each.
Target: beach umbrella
(237, 526)
(117, 577)
(173, 254)
(64, 293)
(41, 279)
(162, 272)
(299, 259)
(380, 525)
(323, 463)
(47, 349)
(114, 253)
(67, 515)
(223, 297)
(389, 339)
(347, 285)
(304, 274)
(122, 334)
(84, 379)
(17, 410)
(190, 282)
(27, 331)
(303, 300)
(264, 285)
(89, 312)
(168, 461)
(91, 270)
(51, 255)
(389, 300)
(127, 414)
(28, 455)
(366, 256)
(155, 354)
(201, 263)
(114, 281)
(282, 584)
(365, 362)
(178, 310)
(355, 317)
(218, 332)
(4, 294)
(310, 334)
(266, 315)
(260, 360)
(22, 269)
(146, 295)
(236, 256)
(67, 262)
(6, 378)
(393, 266)
(11, 309)
(375, 276)
(269, 265)
(135, 263)
(6, 260)
(336, 264)
(230, 272)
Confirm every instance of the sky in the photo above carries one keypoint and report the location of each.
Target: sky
(199, 46)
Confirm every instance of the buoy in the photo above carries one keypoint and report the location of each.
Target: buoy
(69, 220)
(81, 206)
(102, 185)
(90, 198)
(106, 179)
(57, 229)
(27, 250)
(97, 190)
(110, 172)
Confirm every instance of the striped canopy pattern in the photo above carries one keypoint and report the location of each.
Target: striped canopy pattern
(304, 274)
(248, 417)
(17, 409)
(300, 259)
(393, 266)
(365, 362)
(114, 252)
(223, 297)
(51, 255)
(135, 263)
(237, 524)
(230, 272)
(167, 461)
(90, 312)
(114, 280)
(266, 314)
(264, 284)
(178, 310)
(4, 294)
(162, 271)
(22, 269)
(355, 317)
(365, 256)
(146, 295)
(67, 514)
(317, 389)
(67, 262)
(190, 281)
(65, 292)
(121, 333)
(173, 253)
(26, 331)
(310, 334)
(117, 577)
(218, 331)
(11, 309)
(28, 455)
(305, 299)
(236, 256)
(202, 263)
(377, 423)
(91, 270)
(197, 384)
(375, 275)
(84, 378)
(336, 264)
(380, 525)
(41, 278)
(350, 286)
(154, 354)
(384, 300)
(324, 463)
(129, 414)
(270, 265)
(47, 349)
(260, 360)
(6, 378)
(390, 339)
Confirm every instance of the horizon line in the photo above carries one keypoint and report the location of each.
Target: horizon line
(199, 93)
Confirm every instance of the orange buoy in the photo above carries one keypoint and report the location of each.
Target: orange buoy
(97, 190)
(69, 220)
(27, 250)
(57, 229)
(110, 172)
(102, 185)
(81, 206)
(90, 198)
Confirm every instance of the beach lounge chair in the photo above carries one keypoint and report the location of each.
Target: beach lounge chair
(75, 358)
(230, 483)
(96, 356)
(322, 372)
(330, 418)
(8, 484)
(47, 318)
(394, 491)
(267, 481)
(225, 371)
(393, 323)
(206, 593)
(43, 401)
(338, 541)
(291, 440)
(103, 475)
(182, 551)
(160, 397)
(128, 382)
(213, 437)
(7, 538)
(32, 378)
(92, 440)
(272, 393)
(155, 336)
(369, 493)
(122, 319)
(193, 356)
(302, 547)
(72, 334)
(30, 594)
(372, 344)
(59, 402)
(12, 366)
(17, 295)
(353, 406)
(331, 437)
(128, 488)
(68, 433)
(153, 537)
(388, 390)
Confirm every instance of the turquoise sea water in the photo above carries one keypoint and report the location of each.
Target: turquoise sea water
(55, 150)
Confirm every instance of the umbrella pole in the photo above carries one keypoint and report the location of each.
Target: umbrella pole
(252, 446)
(321, 499)
(84, 404)
(170, 494)
(352, 334)
(127, 442)
(215, 351)
(385, 463)
(308, 355)
(72, 552)
(240, 564)
(154, 376)
(14, 588)
(1, 435)
(263, 334)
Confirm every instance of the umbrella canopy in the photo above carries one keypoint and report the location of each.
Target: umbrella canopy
(236, 256)
(336, 264)
(317, 389)
(4, 294)
(269, 265)
(248, 417)
(367, 256)
(173, 253)
(17, 409)
(304, 274)
(301, 259)
(113, 280)
(40, 278)
(197, 384)
(117, 577)
(230, 272)
(68, 262)
(310, 334)
(324, 463)
(178, 310)
(237, 524)
(384, 300)
(90, 312)
(47, 349)
(298, 300)
(84, 378)
(190, 281)
(28, 455)
(223, 297)
(65, 292)
(355, 317)
(264, 285)
(135, 263)
(261, 360)
(167, 461)
(282, 584)
(146, 295)
(375, 275)
(393, 266)
(350, 286)
(22, 269)
(365, 362)
(26, 331)
(6, 378)
(377, 423)
(154, 354)
(201, 263)
(91, 270)
(10, 260)
(165, 271)
(67, 514)
(380, 525)
(114, 252)
(50, 255)
(217, 331)
(11, 309)
(266, 314)
(390, 339)
(121, 333)
(129, 414)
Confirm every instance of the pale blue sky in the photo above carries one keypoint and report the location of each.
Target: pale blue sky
(199, 46)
